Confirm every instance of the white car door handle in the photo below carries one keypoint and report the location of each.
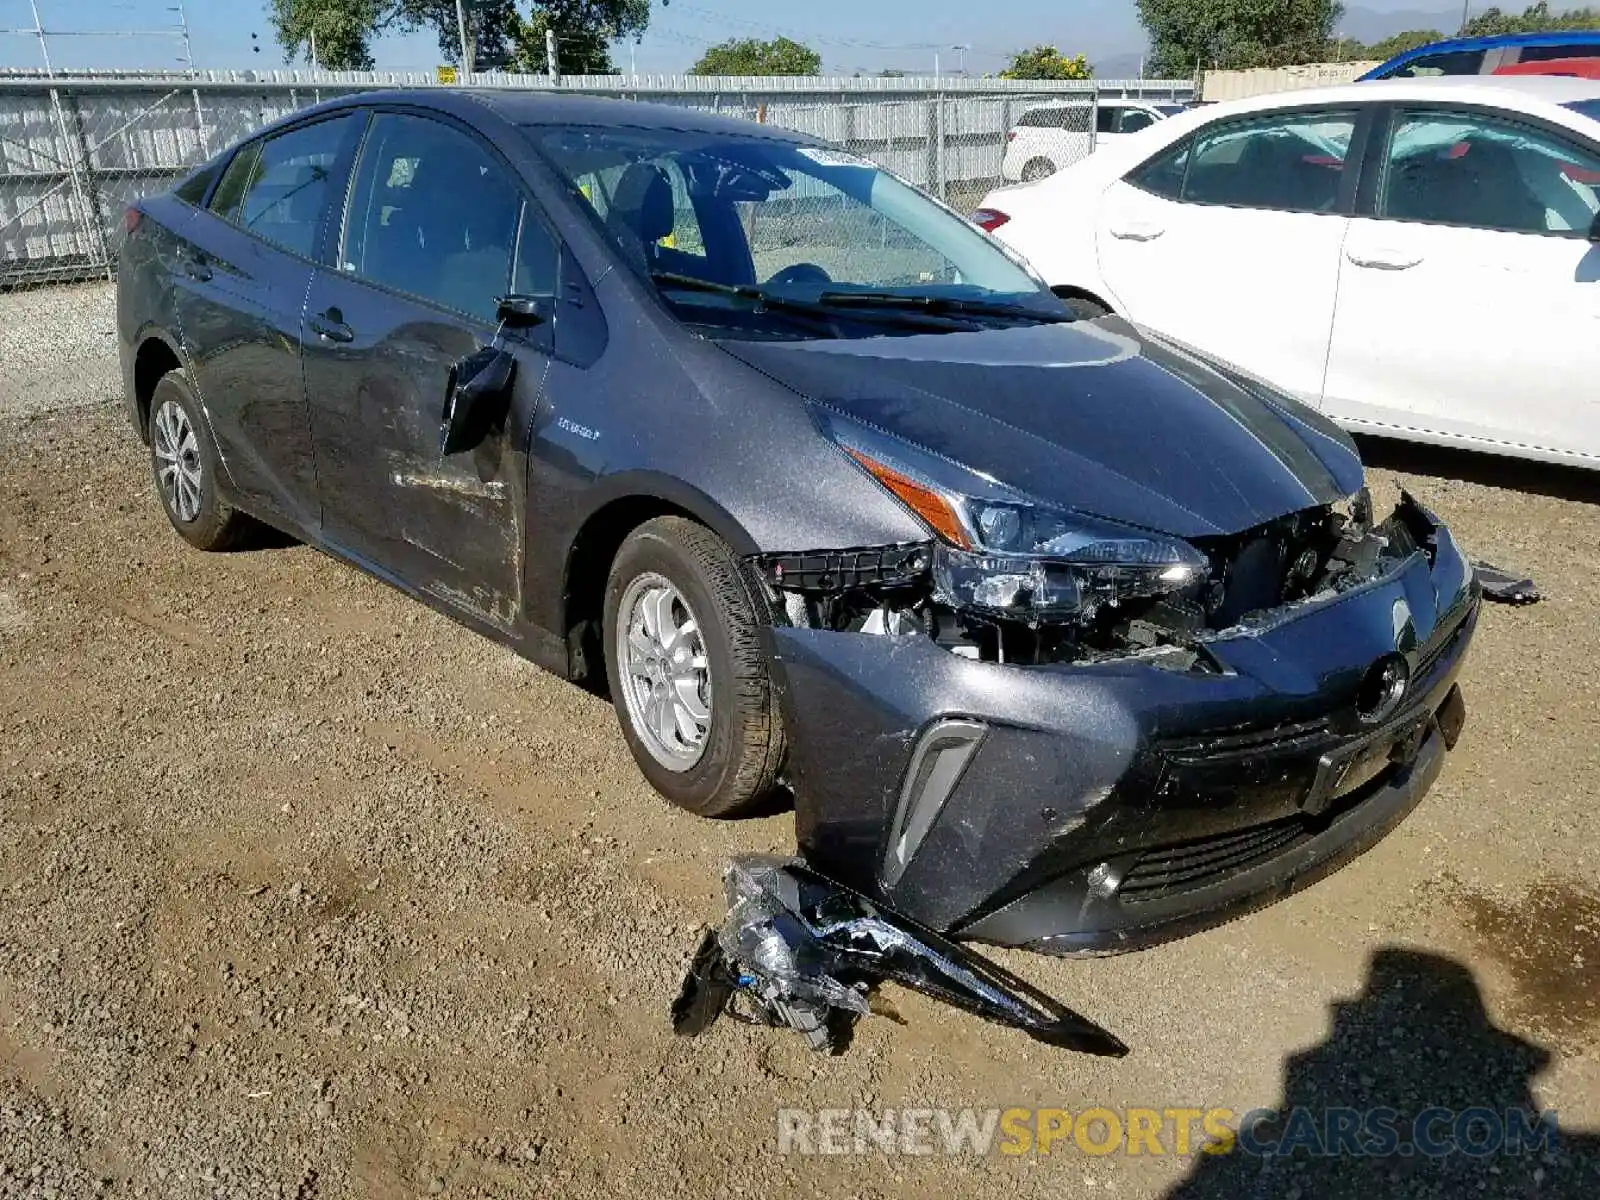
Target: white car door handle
(1383, 259)
(1136, 231)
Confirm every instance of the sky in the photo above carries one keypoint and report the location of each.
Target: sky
(852, 35)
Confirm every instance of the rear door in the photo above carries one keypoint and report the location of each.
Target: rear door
(436, 229)
(242, 277)
(1229, 241)
(1469, 302)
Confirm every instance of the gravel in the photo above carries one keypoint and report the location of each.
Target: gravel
(307, 892)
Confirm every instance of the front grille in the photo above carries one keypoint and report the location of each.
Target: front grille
(1189, 866)
(1290, 736)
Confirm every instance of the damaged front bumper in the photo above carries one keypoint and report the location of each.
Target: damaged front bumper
(1106, 806)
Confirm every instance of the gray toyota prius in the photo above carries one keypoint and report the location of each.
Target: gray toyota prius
(1058, 635)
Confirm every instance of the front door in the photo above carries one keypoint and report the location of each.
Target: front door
(1229, 242)
(241, 288)
(436, 230)
(1469, 302)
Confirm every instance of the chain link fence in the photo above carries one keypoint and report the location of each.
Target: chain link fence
(76, 152)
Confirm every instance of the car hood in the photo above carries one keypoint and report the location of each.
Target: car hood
(1100, 417)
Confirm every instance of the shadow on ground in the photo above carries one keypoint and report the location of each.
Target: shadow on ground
(1416, 1039)
(1491, 470)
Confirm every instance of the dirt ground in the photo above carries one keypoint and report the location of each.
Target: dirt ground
(307, 892)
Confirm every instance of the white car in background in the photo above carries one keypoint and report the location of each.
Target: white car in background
(1417, 258)
(1054, 135)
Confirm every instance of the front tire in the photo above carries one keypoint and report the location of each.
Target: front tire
(185, 466)
(1037, 169)
(689, 677)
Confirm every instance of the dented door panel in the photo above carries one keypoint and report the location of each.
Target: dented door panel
(451, 527)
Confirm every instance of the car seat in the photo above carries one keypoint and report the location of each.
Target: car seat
(641, 212)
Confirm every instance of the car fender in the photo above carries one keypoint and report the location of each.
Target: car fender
(151, 331)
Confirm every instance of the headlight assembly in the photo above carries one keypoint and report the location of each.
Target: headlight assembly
(1002, 553)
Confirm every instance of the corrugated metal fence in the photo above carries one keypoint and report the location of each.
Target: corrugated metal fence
(74, 151)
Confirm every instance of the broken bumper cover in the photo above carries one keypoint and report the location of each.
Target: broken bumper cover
(1099, 808)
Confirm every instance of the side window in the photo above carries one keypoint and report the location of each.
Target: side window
(1135, 119)
(432, 214)
(1163, 174)
(1291, 162)
(537, 271)
(1031, 120)
(1451, 62)
(279, 188)
(225, 201)
(1105, 118)
(1478, 171)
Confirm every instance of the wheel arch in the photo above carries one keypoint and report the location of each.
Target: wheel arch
(1070, 291)
(157, 357)
(626, 502)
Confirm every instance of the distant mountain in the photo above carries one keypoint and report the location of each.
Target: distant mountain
(1118, 66)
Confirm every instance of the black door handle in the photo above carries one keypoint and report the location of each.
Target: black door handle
(195, 266)
(330, 326)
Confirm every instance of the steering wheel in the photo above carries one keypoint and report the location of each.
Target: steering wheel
(801, 272)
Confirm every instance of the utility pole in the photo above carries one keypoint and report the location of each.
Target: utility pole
(466, 40)
(551, 61)
(183, 27)
(1466, 7)
(44, 43)
(314, 46)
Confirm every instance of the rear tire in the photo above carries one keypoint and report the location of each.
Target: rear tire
(689, 676)
(185, 466)
(1037, 169)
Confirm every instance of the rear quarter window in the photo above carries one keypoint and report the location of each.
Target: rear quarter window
(193, 190)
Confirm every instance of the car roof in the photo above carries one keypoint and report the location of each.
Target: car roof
(1520, 93)
(1490, 41)
(562, 108)
(536, 107)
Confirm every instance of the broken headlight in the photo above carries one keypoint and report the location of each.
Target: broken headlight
(1002, 553)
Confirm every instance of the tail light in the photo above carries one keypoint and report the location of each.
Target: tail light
(990, 219)
(131, 219)
(1012, 136)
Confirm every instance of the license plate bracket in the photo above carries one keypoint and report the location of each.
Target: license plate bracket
(1343, 770)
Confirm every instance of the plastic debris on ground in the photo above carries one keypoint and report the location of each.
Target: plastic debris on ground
(1505, 587)
(799, 951)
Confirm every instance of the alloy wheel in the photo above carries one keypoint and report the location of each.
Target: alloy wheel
(665, 670)
(178, 468)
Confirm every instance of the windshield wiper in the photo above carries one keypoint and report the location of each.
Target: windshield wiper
(821, 309)
(942, 304)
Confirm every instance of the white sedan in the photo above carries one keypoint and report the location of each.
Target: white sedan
(1417, 258)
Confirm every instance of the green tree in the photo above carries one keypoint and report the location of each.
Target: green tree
(1397, 43)
(752, 56)
(1536, 18)
(1189, 34)
(341, 31)
(1046, 62)
(507, 33)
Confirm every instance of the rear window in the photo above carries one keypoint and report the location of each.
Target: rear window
(1552, 53)
(1056, 118)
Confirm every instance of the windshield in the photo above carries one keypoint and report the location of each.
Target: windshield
(753, 218)
(1170, 110)
(1589, 108)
